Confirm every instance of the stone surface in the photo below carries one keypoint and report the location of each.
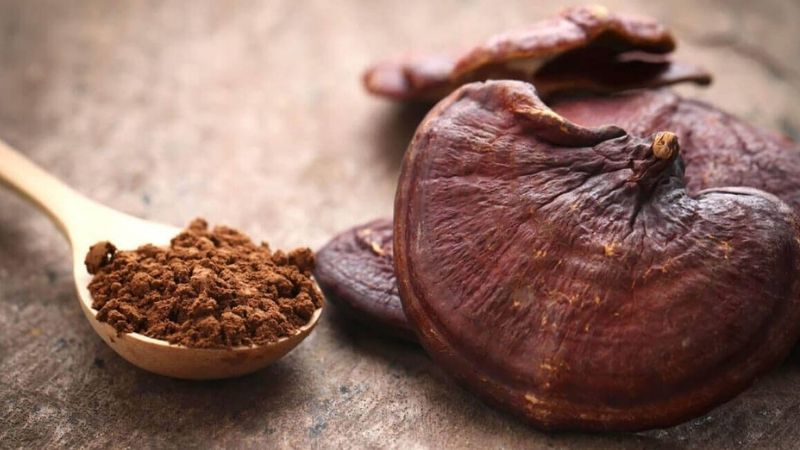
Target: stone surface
(252, 114)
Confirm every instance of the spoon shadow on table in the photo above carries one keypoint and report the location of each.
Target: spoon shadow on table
(186, 413)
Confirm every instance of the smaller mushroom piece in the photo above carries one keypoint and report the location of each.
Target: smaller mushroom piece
(584, 49)
(565, 274)
(356, 271)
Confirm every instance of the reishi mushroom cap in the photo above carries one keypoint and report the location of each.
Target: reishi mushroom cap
(586, 48)
(564, 274)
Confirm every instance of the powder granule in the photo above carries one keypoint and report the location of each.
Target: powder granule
(208, 289)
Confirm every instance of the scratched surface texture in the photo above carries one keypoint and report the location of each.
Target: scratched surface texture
(251, 114)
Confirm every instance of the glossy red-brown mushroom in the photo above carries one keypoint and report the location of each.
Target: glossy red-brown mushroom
(564, 274)
(718, 149)
(584, 49)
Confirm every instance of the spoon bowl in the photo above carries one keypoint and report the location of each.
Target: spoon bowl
(85, 222)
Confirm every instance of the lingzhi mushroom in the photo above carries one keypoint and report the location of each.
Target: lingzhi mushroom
(565, 274)
(718, 148)
(583, 49)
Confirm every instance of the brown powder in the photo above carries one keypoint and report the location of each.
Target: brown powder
(208, 289)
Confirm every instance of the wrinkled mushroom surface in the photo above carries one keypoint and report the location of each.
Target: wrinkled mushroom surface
(718, 148)
(583, 49)
(564, 274)
(356, 272)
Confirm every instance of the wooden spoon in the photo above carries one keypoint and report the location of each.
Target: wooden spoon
(85, 222)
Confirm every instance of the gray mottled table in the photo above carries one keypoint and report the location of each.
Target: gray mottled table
(251, 114)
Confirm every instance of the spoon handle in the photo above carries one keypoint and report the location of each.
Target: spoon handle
(67, 208)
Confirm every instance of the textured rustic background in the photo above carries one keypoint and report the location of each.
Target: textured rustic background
(251, 114)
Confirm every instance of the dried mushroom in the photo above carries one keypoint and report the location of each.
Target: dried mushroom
(584, 49)
(356, 272)
(718, 148)
(564, 273)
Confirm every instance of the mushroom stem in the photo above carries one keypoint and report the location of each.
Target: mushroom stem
(665, 145)
(650, 164)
